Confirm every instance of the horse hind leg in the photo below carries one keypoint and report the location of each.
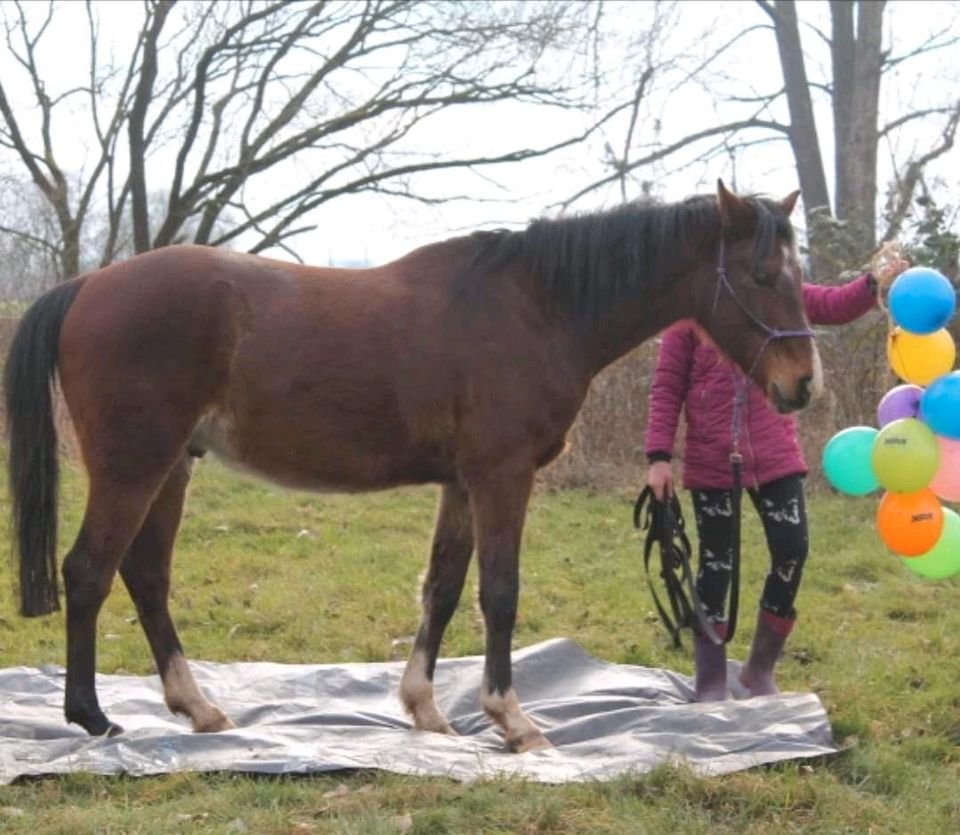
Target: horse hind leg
(442, 586)
(113, 515)
(146, 572)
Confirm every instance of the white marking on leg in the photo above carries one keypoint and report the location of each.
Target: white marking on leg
(416, 693)
(183, 696)
(504, 709)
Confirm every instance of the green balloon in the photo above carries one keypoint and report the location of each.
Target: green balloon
(943, 560)
(905, 456)
(846, 461)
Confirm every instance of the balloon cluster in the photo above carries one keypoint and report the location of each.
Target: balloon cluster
(914, 454)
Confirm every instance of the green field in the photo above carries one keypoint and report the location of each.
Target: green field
(263, 574)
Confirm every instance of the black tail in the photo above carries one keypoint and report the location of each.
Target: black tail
(28, 381)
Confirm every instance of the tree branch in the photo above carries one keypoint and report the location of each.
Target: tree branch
(902, 197)
(662, 153)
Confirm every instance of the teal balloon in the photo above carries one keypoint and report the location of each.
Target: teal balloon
(847, 462)
(943, 560)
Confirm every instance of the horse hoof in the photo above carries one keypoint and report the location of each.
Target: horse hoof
(436, 724)
(215, 724)
(95, 725)
(426, 716)
(530, 741)
(442, 726)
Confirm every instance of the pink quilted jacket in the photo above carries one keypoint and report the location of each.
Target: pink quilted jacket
(693, 377)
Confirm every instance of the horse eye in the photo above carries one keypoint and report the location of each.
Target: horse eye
(764, 279)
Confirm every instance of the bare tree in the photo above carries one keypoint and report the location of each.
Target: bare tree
(28, 259)
(215, 104)
(860, 64)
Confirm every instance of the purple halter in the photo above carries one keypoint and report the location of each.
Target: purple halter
(741, 382)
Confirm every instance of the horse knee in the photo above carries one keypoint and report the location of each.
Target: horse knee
(86, 580)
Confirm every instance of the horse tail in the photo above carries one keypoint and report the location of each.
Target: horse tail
(34, 469)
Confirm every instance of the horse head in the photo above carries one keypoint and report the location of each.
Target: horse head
(753, 310)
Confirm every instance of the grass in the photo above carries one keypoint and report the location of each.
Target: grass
(264, 574)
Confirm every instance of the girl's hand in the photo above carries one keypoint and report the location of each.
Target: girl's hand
(889, 271)
(887, 264)
(660, 479)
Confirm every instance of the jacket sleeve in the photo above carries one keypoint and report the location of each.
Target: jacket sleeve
(668, 392)
(839, 305)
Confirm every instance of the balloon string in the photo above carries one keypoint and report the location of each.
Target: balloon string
(889, 253)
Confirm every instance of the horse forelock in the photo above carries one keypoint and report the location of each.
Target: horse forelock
(772, 228)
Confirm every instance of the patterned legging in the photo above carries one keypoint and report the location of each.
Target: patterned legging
(782, 511)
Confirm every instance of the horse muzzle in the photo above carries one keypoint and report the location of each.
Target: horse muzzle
(800, 399)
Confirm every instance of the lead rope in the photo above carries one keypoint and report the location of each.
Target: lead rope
(741, 390)
(736, 495)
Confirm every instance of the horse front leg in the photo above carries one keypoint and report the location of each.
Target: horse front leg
(499, 507)
(442, 585)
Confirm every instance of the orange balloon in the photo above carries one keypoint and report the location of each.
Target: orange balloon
(910, 523)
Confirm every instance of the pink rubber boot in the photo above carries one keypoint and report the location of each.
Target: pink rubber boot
(710, 684)
(768, 643)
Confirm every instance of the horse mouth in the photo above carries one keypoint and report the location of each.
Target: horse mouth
(801, 400)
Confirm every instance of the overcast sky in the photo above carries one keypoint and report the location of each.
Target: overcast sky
(376, 229)
(379, 229)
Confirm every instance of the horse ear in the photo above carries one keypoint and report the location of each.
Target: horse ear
(789, 202)
(732, 208)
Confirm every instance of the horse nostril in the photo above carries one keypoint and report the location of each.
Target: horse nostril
(803, 390)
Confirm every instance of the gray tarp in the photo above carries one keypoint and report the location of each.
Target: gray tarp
(604, 719)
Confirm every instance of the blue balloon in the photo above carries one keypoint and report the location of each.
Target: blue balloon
(922, 300)
(940, 405)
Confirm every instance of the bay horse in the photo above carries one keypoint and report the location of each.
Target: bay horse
(463, 363)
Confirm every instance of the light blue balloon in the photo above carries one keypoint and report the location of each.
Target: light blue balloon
(922, 300)
(940, 405)
(847, 461)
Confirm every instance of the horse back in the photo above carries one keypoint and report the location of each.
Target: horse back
(316, 378)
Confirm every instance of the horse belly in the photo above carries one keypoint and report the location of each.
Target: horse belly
(329, 450)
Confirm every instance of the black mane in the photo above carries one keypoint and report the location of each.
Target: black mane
(589, 262)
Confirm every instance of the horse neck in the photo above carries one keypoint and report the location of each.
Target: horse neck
(634, 321)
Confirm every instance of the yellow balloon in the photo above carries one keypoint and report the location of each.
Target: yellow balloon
(920, 359)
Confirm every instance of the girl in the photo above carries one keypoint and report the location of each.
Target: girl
(692, 376)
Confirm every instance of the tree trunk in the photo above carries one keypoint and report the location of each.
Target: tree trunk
(138, 115)
(803, 128)
(70, 254)
(843, 59)
(856, 95)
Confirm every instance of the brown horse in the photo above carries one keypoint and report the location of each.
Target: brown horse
(463, 363)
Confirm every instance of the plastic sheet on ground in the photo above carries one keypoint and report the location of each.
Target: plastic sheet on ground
(605, 720)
